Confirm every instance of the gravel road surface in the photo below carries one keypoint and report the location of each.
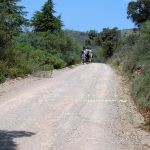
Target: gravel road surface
(79, 108)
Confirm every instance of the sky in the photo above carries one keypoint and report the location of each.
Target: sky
(85, 15)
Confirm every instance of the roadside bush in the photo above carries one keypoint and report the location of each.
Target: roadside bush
(3, 71)
(128, 67)
(98, 55)
(57, 44)
(47, 67)
(15, 72)
(140, 89)
(55, 61)
(132, 56)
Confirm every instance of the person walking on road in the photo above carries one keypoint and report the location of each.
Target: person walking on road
(83, 55)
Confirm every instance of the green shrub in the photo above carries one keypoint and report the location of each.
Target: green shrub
(134, 51)
(54, 43)
(140, 89)
(15, 72)
(47, 67)
(55, 61)
(31, 52)
(128, 67)
(3, 71)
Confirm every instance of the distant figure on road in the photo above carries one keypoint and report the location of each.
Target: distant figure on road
(83, 55)
(89, 55)
(86, 55)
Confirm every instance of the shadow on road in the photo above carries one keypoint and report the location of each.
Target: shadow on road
(6, 138)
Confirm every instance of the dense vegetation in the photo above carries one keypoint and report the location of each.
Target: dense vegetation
(78, 36)
(139, 11)
(46, 47)
(132, 57)
(103, 43)
(45, 20)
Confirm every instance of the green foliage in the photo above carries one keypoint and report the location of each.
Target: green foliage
(133, 60)
(47, 67)
(41, 60)
(38, 51)
(131, 39)
(104, 43)
(11, 22)
(14, 66)
(92, 37)
(77, 36)
(141, 88)
(88, 43)
(45, 20)
(98, 56)
(108, 39)
(139, 11)
(57, 62)
(26, 53)
(145, 31)
(57, 44)
(92, 34)
(3, 71)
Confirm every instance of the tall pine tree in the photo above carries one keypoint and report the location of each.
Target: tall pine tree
(45, 20)
(11, 22)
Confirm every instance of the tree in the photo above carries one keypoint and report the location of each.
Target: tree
(11, 22)
(45, 20)
(88, 42)
(92, 34)
(139, 11)
(108, 39)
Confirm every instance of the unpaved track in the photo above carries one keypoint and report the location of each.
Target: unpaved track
(50, 114)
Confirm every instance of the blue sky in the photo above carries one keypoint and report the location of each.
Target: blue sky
(84, 15)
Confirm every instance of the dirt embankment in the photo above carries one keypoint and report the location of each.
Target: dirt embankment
(129, 78)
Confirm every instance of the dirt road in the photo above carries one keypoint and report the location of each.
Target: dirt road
(68, 112)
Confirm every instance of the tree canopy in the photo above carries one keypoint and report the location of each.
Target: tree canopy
(108, 40)
(139, 11)
(11, 21)
(45, 20)
(92, 34)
